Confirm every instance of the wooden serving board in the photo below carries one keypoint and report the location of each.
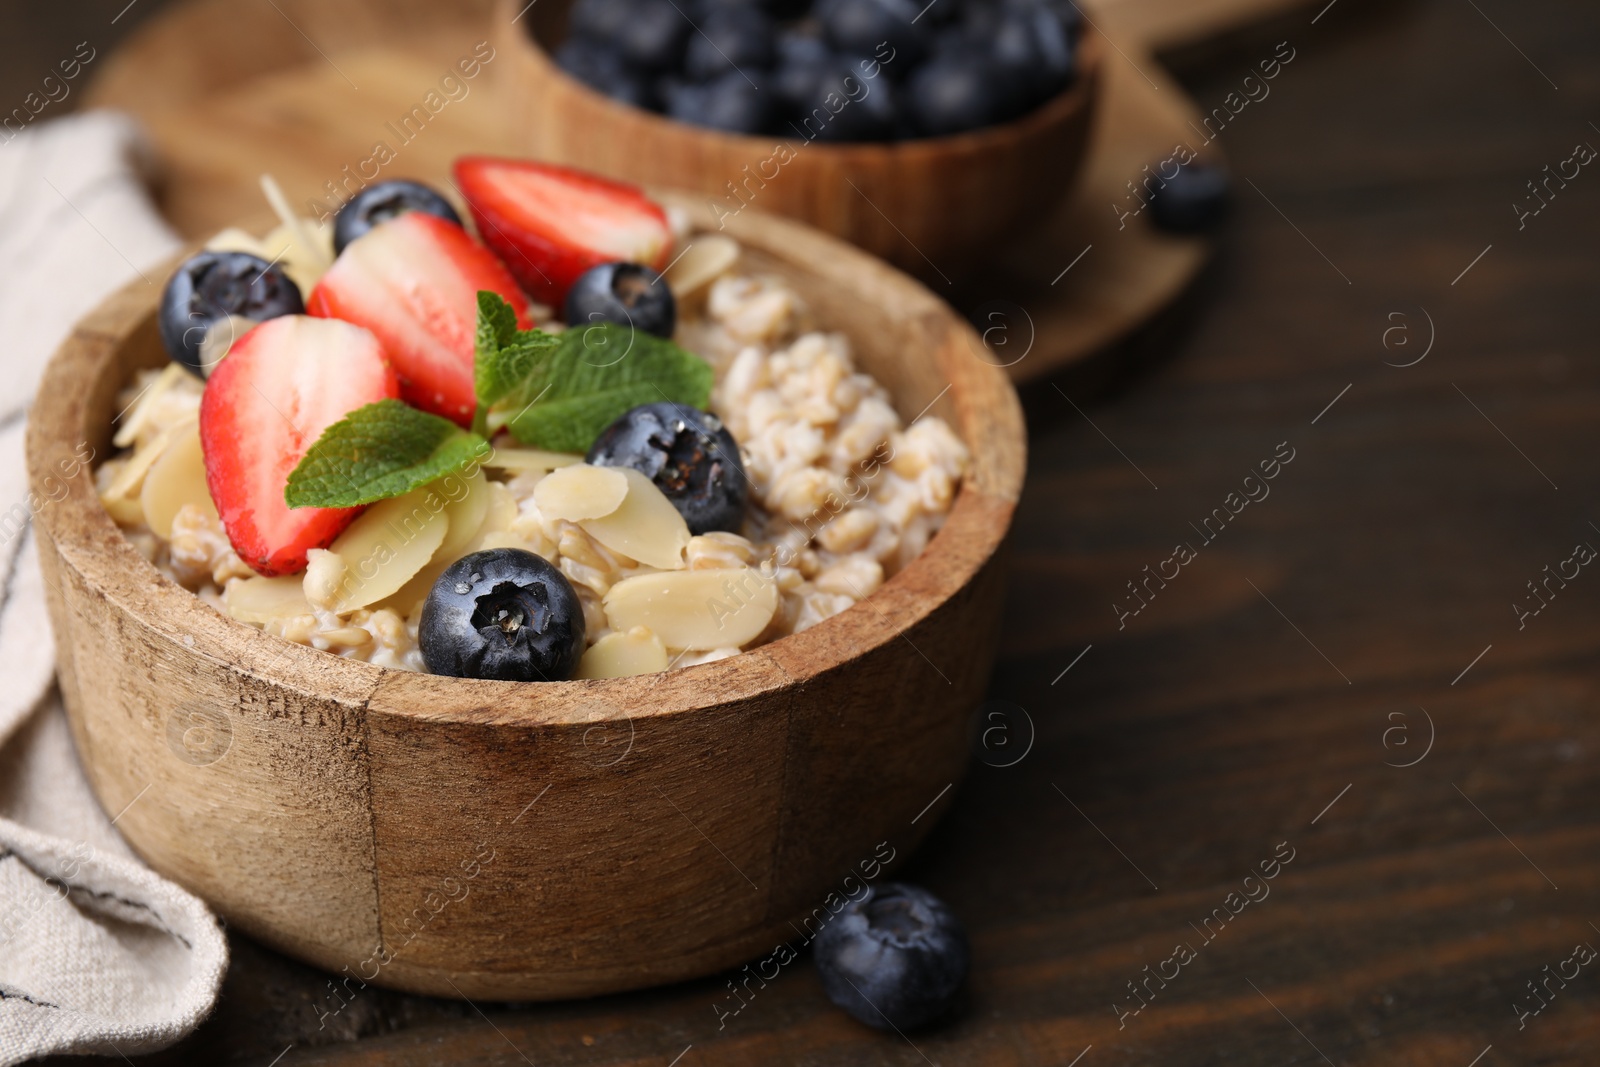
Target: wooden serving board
(301, 89)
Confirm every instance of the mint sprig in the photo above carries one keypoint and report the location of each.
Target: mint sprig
(559, 392)
(551, 391)
(503, 352)
(379, 451)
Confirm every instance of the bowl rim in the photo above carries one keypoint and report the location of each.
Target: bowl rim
(983, 410)
(914, 152)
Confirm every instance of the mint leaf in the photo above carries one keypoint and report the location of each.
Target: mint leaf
(572, 386)
(497, 331)
(505, 380)
(504, 355)
(497, 315)
(380, 451)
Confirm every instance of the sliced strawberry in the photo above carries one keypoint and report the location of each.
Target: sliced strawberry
(549, 224)
(414, 282)
(268, 401)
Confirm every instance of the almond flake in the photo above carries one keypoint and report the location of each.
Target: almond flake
(490, 539)
(261, 600)
(126, 512)
(646, 527)
(220, 340)
(131, 476)
(233, 239)
(502, 510)
(580, 492)
(466, 517)
(467, 509)
(128, 432)
(623, 655)
(384, 548)
(696, 610)
(177, 477)
(703, 262)
(529, 460)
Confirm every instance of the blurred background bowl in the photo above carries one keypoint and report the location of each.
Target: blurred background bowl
(950, 201)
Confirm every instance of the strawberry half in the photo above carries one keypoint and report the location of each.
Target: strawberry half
(414, 282)
(268, 401)
(549, 224)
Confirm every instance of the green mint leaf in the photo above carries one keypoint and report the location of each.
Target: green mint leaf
(513, 367)
(504, 357)
(497, 330)
(572, 386)
(380, 451)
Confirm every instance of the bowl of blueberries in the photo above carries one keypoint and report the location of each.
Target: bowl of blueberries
(923, 131)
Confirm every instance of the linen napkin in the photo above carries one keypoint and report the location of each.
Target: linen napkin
(97, 953)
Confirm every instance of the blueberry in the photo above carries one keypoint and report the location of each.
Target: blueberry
(625, 293)
(688, 454)
(787, 9)
(730, 39)
(941, 12)
(796, 46)
(868, 27)
(963, 89)
(207, 288)
(604, 71)
(600, 21)
(1035, 47)
(379, 203)
(801, 61)
(979, 20)
(783, 10)
(1066, 12)
(847, 106)
(894, 959)
(652, 36)
(503, 614)
(1193, 200)
(666, 89)
(727, 103)
(958, 38)
(647, 34)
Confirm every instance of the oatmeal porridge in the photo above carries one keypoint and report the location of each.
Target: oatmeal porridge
(840, 495)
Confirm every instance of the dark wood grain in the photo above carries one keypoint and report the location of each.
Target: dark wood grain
(1213, 727)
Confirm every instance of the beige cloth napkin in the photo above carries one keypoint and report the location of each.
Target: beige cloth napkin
(97, 953)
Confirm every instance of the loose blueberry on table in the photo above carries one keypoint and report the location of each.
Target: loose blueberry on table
(842, 70)
(895, 959)
(1193, 200)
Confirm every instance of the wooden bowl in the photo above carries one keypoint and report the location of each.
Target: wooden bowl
(936, 207)
(505, 841)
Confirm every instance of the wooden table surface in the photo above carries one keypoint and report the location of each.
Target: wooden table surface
(1372, 609)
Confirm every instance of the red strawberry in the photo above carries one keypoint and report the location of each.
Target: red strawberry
(265, 405)
(549, 224)
(414, 282)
